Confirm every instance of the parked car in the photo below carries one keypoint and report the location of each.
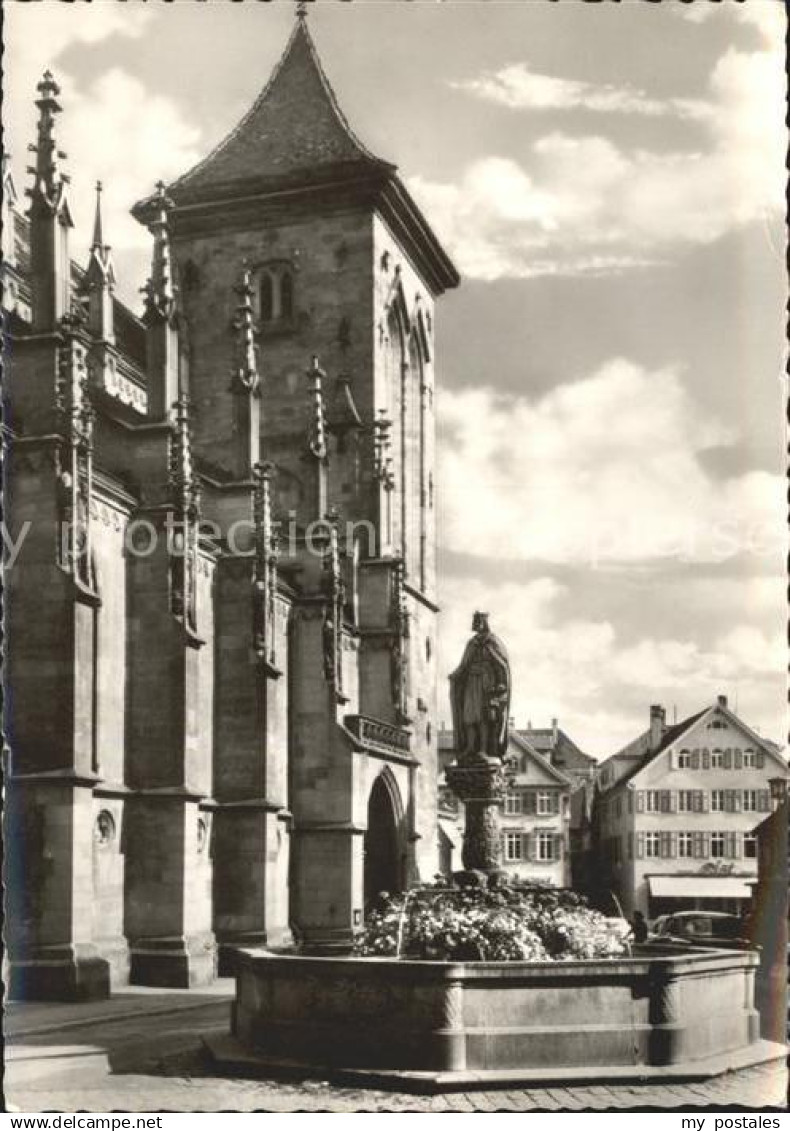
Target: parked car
(703, 927)
(657, 926)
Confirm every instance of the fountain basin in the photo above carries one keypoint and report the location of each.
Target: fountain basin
(615, 1017)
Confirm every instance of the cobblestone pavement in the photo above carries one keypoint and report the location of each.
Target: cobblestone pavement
(157, 1064)
(188, 1090)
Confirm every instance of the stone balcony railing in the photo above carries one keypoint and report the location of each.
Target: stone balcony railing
(374, 734)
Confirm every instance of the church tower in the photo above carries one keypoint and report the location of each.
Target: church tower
(341, 272)
(221, 613)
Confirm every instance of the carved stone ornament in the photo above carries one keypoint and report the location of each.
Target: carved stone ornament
(264, 581)
(399, 646)
(104, 828)
(74, 460)
(185, 498)
(481, 785)
(335, 591)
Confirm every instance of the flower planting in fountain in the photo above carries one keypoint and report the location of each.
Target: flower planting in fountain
(502, 924)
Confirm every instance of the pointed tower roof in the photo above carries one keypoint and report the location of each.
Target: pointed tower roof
(295, 131)
(295, 139)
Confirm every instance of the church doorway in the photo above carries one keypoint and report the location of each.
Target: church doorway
(383, 854)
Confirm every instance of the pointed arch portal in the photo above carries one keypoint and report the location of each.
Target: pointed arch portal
(383, 849)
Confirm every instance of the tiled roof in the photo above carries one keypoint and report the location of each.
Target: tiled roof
(446, 744)
(542, 738)
(294, 132)
(672, 734)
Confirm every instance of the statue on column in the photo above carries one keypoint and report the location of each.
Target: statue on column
(480, 701)
(480, 695)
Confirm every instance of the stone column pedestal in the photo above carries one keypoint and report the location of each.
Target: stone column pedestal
(480, 784)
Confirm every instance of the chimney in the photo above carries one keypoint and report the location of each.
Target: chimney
(554, 732)
(721, 700)
(658, 724)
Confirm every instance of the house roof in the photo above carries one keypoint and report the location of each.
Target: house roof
(555, 740)
(675, 732)
(518, 740)
(446, 744)
(671, 734)
(295, 130)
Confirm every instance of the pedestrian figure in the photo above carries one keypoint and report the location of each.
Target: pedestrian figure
(639, 927)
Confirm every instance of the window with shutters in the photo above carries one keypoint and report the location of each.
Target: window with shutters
(684, 760)
(751, 800)
(653, 844)
(546, 803)
(514, 846)
(750, 846)
(546, 847)
(749, 759)
(689, 800)
(652, 801)
(717, 760)
(686, 845)
(513, 803)
(718, 800)
(717, 845)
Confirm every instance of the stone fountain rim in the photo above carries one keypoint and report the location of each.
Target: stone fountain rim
(712, 958)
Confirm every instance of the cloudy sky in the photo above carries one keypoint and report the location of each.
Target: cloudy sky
(610, 182)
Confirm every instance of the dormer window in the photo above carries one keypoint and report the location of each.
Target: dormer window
(276, 294)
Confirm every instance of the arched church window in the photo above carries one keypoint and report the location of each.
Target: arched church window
(267, 297)
(276, 294)
(286, 295)
(191, 276)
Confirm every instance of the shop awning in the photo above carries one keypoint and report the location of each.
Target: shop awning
(700, 887)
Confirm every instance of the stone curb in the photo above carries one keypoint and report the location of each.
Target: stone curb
(233, 1058)
(12, 1034)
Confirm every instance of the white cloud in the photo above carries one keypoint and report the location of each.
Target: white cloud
(519, 88)
(112, 127)
(606, 471)
(585, 205)
(768, 16)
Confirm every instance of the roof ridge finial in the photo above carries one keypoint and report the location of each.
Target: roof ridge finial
(160, 290)
(301, 10)
(49, 179)
(98, 234)
(101, 270)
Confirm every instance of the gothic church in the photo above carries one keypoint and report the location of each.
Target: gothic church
(221, 609)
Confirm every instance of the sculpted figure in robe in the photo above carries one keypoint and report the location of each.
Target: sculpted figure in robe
(480, 694)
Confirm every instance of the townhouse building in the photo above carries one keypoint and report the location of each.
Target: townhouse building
(676, 811)
(535, 817)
